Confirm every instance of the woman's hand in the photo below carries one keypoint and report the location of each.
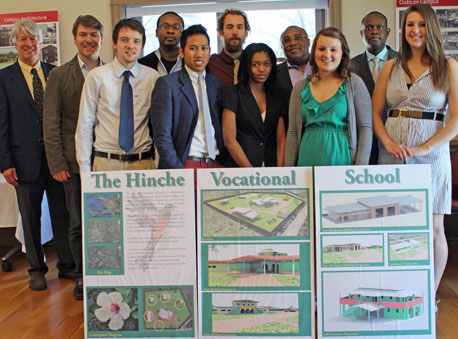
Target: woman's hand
(399, 151)
(419, 151)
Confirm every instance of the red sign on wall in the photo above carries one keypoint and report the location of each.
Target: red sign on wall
(38, 17)
(433, 3)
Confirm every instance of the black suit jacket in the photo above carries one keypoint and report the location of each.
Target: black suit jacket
(257, 138)
(360, 66)
(284, 89)
(20, 129)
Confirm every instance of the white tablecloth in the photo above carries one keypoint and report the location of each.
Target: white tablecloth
(10, 217)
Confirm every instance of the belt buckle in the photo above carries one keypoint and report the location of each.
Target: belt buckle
(123, 157)
(400, 113)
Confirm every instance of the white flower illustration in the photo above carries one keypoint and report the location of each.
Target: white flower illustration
(112, 308)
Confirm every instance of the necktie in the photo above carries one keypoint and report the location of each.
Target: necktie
(375, 68)
(211, 146)
(37, 93)
(126, 116)
(236, 70)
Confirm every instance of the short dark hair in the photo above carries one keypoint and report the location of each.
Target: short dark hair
(377, 13)
(132, 24)
(232, 11)
(343, 70)
(244, 73)
(167, 13)
(87, 21)
(192, 30)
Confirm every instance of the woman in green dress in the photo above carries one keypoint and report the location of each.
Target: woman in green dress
(330, 111)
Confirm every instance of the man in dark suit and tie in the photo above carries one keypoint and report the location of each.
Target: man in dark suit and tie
(185, 109)
(22, 154)
(367, 65)
(295, 43)
(60, 118)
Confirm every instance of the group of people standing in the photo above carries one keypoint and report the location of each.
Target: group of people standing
(237, 108)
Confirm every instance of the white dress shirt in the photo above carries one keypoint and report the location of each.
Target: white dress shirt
(84, 69)
(99, 110)
(199, 144)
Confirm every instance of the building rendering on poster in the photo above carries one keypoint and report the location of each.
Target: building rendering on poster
(49, 25)
(374, 252)
(139, 254)
(255, 267)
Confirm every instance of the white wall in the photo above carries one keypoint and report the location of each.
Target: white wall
(352, 13)
(68, 12)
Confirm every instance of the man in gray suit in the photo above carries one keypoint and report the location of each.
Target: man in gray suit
(60, 117)
(295, 43)
(367, 65)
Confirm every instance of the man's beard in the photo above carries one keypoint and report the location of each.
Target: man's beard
(170, 47)
(233, 48)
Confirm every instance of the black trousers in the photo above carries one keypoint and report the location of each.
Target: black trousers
(73, 199)
(29, 196)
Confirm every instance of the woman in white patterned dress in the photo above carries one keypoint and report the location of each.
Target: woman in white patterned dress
(418, 86)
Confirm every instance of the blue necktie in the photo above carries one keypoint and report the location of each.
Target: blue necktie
(211, 145)
(126, 118)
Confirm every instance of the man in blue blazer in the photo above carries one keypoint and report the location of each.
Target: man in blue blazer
(22, 156)
(186, 133)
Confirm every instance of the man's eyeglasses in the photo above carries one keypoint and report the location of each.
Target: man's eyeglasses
(369, 28)
(297, 37)
(167, 26)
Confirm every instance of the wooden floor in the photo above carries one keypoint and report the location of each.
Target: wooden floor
(54, 313)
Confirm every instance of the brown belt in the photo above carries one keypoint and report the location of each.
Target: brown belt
(416, 114)
(124, 157)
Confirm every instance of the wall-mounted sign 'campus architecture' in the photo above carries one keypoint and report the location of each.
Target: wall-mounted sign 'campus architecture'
(374, 252)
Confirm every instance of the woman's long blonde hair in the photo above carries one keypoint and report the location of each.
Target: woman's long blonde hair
(434, 51)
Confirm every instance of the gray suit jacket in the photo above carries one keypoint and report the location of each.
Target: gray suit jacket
(359, 117)
(60, 116)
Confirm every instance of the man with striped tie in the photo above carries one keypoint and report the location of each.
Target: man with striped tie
(374, 31)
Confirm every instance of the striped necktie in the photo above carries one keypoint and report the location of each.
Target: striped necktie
(211, 145)
(375, 69)
(236, 70)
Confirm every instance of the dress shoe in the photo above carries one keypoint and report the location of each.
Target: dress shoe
(37, 283)
(66, 275)
(78, 290)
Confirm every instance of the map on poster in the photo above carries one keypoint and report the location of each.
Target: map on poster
(48, 23)
(139, 254)
(255, 241)
(374, 251)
